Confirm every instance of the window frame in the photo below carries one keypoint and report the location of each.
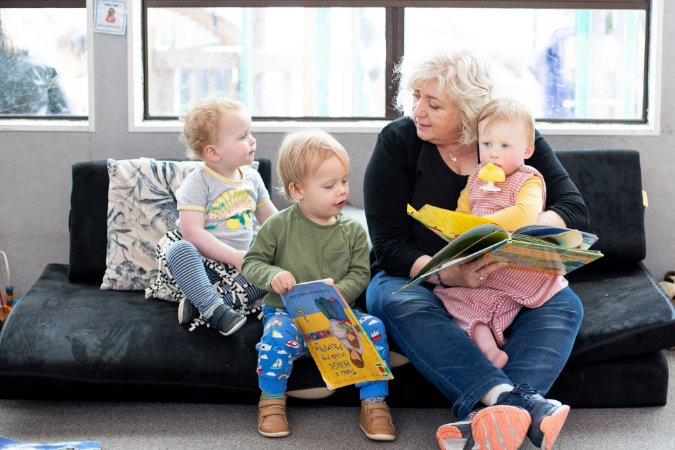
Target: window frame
(650, 125)
(59, 123)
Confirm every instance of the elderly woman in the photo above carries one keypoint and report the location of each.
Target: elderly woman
(425, 158)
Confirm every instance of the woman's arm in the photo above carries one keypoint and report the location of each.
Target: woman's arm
(551, 218)
(387, 190)
(192, 229)
(562, 196)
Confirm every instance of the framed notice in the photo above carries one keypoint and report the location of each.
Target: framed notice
(110, 17)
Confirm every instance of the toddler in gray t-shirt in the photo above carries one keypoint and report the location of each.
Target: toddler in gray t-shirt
(215, 207)
(228, 204)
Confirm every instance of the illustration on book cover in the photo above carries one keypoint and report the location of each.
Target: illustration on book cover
(343, 352)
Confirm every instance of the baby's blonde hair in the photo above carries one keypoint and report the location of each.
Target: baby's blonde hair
(202, 122)
(300, 155)
(511, 110)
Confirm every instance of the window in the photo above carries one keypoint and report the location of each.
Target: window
(564, 64)
(44, 70)
(281, 62)
(583, 62)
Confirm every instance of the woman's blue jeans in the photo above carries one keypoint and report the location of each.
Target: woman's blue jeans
(540, 343)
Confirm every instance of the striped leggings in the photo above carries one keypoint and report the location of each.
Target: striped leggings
(196, 280)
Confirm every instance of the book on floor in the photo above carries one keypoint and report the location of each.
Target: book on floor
(9, 444)
(342, 350)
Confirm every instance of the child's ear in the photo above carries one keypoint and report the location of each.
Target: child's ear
(296, 190)
(529, 151)
(211, 153)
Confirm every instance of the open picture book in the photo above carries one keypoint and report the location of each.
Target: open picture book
(537, 248)
(9, 444)
(343, 352)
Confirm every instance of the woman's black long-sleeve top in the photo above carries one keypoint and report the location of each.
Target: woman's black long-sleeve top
(405, 169)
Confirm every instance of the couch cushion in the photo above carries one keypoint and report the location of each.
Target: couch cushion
(78, 332)
(625, 312)
(56, 345)
(610, 182)
(88, 212)
(141, 209)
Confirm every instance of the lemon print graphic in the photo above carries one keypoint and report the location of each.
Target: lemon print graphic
(233, 224)
(234, 207)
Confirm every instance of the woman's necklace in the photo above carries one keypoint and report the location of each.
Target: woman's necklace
(453, 157)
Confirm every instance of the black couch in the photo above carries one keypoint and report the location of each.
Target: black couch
(68, 339)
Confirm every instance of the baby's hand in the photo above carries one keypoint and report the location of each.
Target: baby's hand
(283, 282)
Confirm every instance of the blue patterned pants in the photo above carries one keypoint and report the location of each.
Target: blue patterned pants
(282, 343)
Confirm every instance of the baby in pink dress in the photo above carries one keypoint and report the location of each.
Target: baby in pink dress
(506, 139)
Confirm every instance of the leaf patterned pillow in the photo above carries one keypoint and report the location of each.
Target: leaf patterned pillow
(141, 209)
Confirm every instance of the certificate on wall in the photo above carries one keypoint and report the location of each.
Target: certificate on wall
(110, 17)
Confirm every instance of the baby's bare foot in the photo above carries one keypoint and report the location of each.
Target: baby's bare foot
(497, 357)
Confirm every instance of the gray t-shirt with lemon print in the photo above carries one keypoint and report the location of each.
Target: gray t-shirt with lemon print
(228, 204)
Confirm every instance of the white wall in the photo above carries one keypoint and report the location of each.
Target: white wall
(35, 167)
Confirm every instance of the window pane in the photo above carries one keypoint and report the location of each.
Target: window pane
(563, 64)
(43, 62)
(281, 62)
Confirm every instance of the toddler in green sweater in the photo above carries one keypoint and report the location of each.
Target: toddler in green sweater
(309, 241)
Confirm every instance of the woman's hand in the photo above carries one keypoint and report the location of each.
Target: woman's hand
(470, 275)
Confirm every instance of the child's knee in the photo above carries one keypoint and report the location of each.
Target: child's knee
(177, 251)
(372, 325)
(281, 337)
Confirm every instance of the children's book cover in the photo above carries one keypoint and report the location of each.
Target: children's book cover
(344, 353)
(536, 248)
(8, 444)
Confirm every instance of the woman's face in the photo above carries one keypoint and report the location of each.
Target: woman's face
(436, 117)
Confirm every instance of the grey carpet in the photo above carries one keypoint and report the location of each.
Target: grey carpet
(124, 426)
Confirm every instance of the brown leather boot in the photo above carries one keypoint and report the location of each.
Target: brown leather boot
(376, 421)
(272, 417)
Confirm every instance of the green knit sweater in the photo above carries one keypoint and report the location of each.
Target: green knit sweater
(290, 241)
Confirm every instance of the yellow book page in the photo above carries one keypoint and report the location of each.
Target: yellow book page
(345, 361)
(447, 224)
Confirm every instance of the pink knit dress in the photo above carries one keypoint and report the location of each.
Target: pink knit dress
(506, 291)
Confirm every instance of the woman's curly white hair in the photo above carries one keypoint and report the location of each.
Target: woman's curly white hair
(464, 76)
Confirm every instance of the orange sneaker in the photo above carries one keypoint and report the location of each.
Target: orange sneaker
(548, 417)
(494, 427)
(376, 421)
(272, 417)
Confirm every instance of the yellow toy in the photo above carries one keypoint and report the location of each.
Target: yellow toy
(491, 173)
